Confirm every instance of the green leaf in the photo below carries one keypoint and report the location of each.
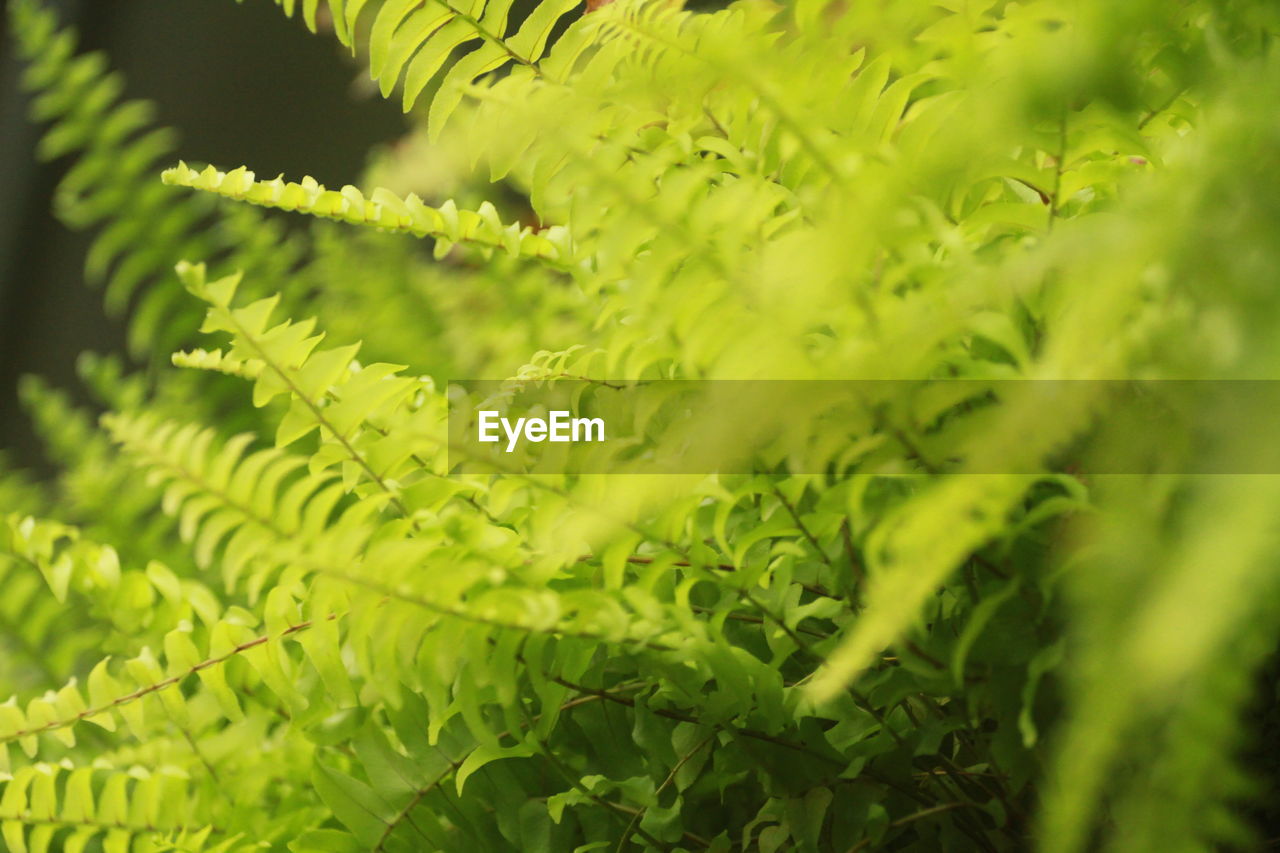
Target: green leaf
(484, 754)
(353, 803)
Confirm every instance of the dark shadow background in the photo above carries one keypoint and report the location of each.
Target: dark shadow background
(243, 85)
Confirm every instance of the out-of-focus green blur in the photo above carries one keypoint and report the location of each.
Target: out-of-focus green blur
(215, 70)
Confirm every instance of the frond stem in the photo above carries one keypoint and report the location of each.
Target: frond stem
(486, 34)
(54, 725)
(467, 616)
(316, 412)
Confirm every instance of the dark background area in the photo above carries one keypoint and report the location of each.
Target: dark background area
(243, 84)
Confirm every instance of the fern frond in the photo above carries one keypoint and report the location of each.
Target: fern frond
(121, 810)
(383, 209)
(53, 573)
(218, 361)
(145, 229)
(661, 34)
(414, 39)
(245, 506)
(97, 489)
(146, 681)
(381, 427)
(1152, 663)
(37, 653)
(135, 601)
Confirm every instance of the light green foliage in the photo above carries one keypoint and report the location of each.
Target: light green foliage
(411, 41)
(306, 634)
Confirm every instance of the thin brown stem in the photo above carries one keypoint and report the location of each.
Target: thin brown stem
(1059, 165)
(1170, 101)
(626, 835)
(912, 818)
(163, 684)
(804, 530)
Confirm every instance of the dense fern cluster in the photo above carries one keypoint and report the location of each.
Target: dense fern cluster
(259, 609)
